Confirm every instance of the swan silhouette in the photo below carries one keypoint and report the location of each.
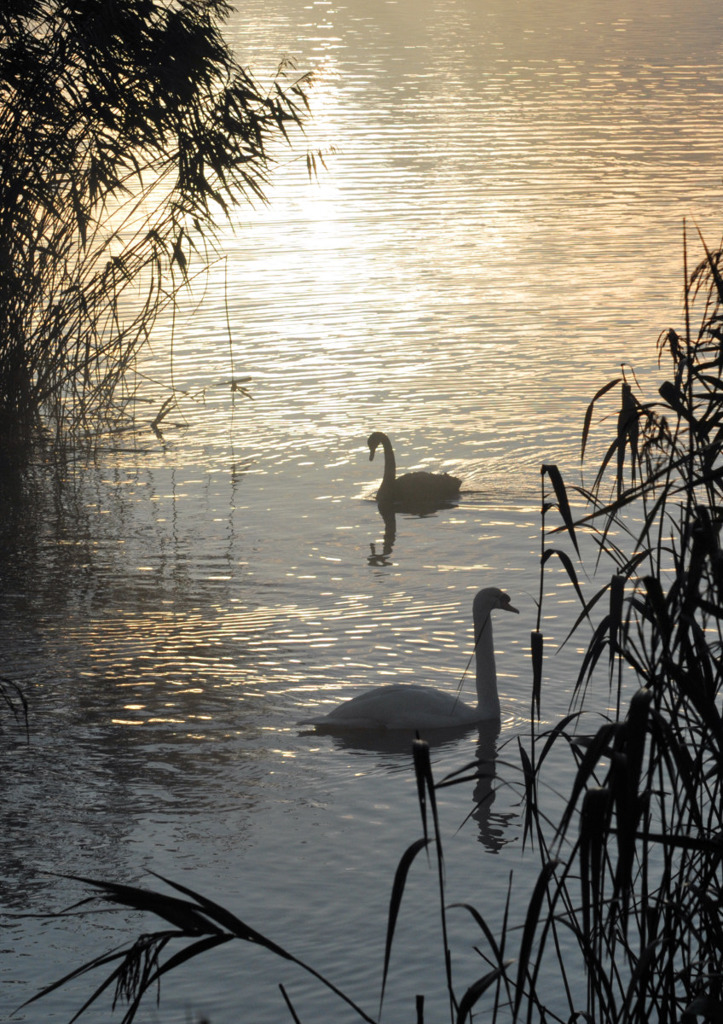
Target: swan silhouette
(413, 489)
(408, 706)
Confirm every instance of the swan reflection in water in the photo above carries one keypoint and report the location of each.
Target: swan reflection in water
(390, 535)
(389, 515)
(492, 827)
(395, 750)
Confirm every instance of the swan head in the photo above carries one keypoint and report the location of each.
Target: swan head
(491, 597)
(374, 440)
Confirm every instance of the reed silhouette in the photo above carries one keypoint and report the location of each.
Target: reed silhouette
(116, 171)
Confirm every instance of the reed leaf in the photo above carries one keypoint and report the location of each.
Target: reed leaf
(563, 503)
(585, 613)
(484, 928)
(182, 914)
(528, 776)
(100, 961)
(476, 990)
(204, 920)
(528, 932)
(294, 1016)
(568, 566)
(537, 653)
(600, 745)
(589, 412)
(395, 902)
(696, 844)
(712, 264)
(551, 737)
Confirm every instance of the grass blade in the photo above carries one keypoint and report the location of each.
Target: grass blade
(562, 500)
(589, 411)
(474, 992)
(528, 934)
(395, 903)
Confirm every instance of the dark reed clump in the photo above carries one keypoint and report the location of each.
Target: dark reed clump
(639, 883)
(126, 130)
(624, 924)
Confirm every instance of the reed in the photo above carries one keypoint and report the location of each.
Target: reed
(13, 699)
(625, 913)
(127, 132)
(638, 843)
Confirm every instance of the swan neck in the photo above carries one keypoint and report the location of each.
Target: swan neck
(390, 463)
(487, 696)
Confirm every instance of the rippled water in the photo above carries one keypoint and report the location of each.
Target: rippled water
(498, 228)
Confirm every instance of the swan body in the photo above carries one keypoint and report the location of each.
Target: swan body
(412, 488)
(409, 706)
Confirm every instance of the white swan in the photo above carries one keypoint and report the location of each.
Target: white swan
(407, 706)
(419, 488)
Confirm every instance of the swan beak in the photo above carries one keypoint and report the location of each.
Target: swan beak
(507, 606)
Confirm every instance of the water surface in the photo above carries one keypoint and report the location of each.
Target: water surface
(498, 229)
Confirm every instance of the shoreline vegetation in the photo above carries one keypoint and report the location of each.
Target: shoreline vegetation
(630, 875)
(128, 131)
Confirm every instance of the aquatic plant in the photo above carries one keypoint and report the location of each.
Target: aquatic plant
(13, 699)
(196, 921)
(625, 913)
(641, 831)
(127, 131)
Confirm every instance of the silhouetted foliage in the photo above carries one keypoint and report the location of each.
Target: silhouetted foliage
(126, 128)
(640, 835)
